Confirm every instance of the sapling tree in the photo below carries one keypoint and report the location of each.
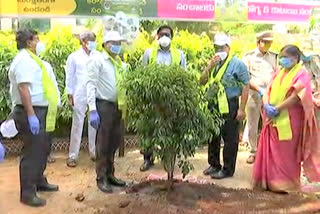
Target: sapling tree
(167, 108)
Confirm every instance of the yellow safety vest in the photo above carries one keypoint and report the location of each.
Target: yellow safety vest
(222, 96)
(50, 93)
(278, 94)
(175, 55)
(121, 93)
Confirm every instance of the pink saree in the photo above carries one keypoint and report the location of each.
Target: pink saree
(278, 163)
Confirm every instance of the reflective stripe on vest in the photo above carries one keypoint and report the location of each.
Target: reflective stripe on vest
(174, 52)
(50, 93)
(222, 96)
(278, 94)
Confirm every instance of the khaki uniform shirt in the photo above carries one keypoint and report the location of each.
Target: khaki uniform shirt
(261, 67)
(313, 68)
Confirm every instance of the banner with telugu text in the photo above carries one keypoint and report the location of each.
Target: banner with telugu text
(207, 10)
(266, 11)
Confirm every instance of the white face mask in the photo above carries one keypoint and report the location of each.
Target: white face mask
(40, 47)
(164, 41)
(223, 55)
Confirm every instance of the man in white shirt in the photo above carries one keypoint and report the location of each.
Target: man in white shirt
(35, 97)
(104, 100)
(76, 81)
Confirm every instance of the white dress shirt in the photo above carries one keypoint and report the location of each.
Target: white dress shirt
(24, 69)
(76, 73)
(102, 79)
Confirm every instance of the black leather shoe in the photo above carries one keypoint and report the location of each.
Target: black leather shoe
(104, 186)
(115, 181)
(146, 165)
(220, 175)
(48, 188)
(33, 201)
(210, 170)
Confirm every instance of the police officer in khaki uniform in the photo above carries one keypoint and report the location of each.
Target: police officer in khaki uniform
(261, 64)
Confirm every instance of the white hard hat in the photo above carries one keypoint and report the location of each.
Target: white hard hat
(8, 129)
(112, 36)
(222, 39)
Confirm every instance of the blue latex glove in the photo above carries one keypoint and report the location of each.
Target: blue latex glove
(94, 119)
(34, 124)
(261, 92)
(2, 152)
(271, 111)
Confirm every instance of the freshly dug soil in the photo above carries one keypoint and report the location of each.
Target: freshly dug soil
(153, 197)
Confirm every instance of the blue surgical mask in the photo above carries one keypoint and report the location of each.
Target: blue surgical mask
(116, 49)
(306, 58)
(91, 45)
(286, 62)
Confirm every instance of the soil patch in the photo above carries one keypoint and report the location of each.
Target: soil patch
(209, 198)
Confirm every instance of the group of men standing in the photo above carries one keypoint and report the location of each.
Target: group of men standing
(91, 80)
(92, 83)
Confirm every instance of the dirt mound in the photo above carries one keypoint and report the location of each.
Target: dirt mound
(190, 198)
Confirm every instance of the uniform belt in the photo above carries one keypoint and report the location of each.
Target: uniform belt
(36, 107)
(105, 101)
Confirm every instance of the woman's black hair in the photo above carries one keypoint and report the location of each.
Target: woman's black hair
(292, 50)
(165, 27)
(24, 35)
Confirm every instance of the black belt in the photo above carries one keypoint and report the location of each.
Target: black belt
(105, 101)
(37, 107)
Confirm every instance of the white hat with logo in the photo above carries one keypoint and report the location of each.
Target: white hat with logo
(112, 36)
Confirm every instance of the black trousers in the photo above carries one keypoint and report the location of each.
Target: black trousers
(147, 154)
(109, 137)
(35, 151)
(229, 132)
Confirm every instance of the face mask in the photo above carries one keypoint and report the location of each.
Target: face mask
(116, 49)
(306, 58)
(40, 48)
(285, 62)
(91, 45)
(223, 55)
(164, 41)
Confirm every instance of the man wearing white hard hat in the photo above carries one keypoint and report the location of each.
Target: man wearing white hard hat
(226, 79)
(106, 102)
(261, 63)
(76, 81)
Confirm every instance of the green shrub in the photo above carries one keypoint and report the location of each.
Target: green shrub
(134, 52)
(197, 48)
(168, 111)
(7, 52)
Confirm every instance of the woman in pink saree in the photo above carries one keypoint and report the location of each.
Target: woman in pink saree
(289, 138)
